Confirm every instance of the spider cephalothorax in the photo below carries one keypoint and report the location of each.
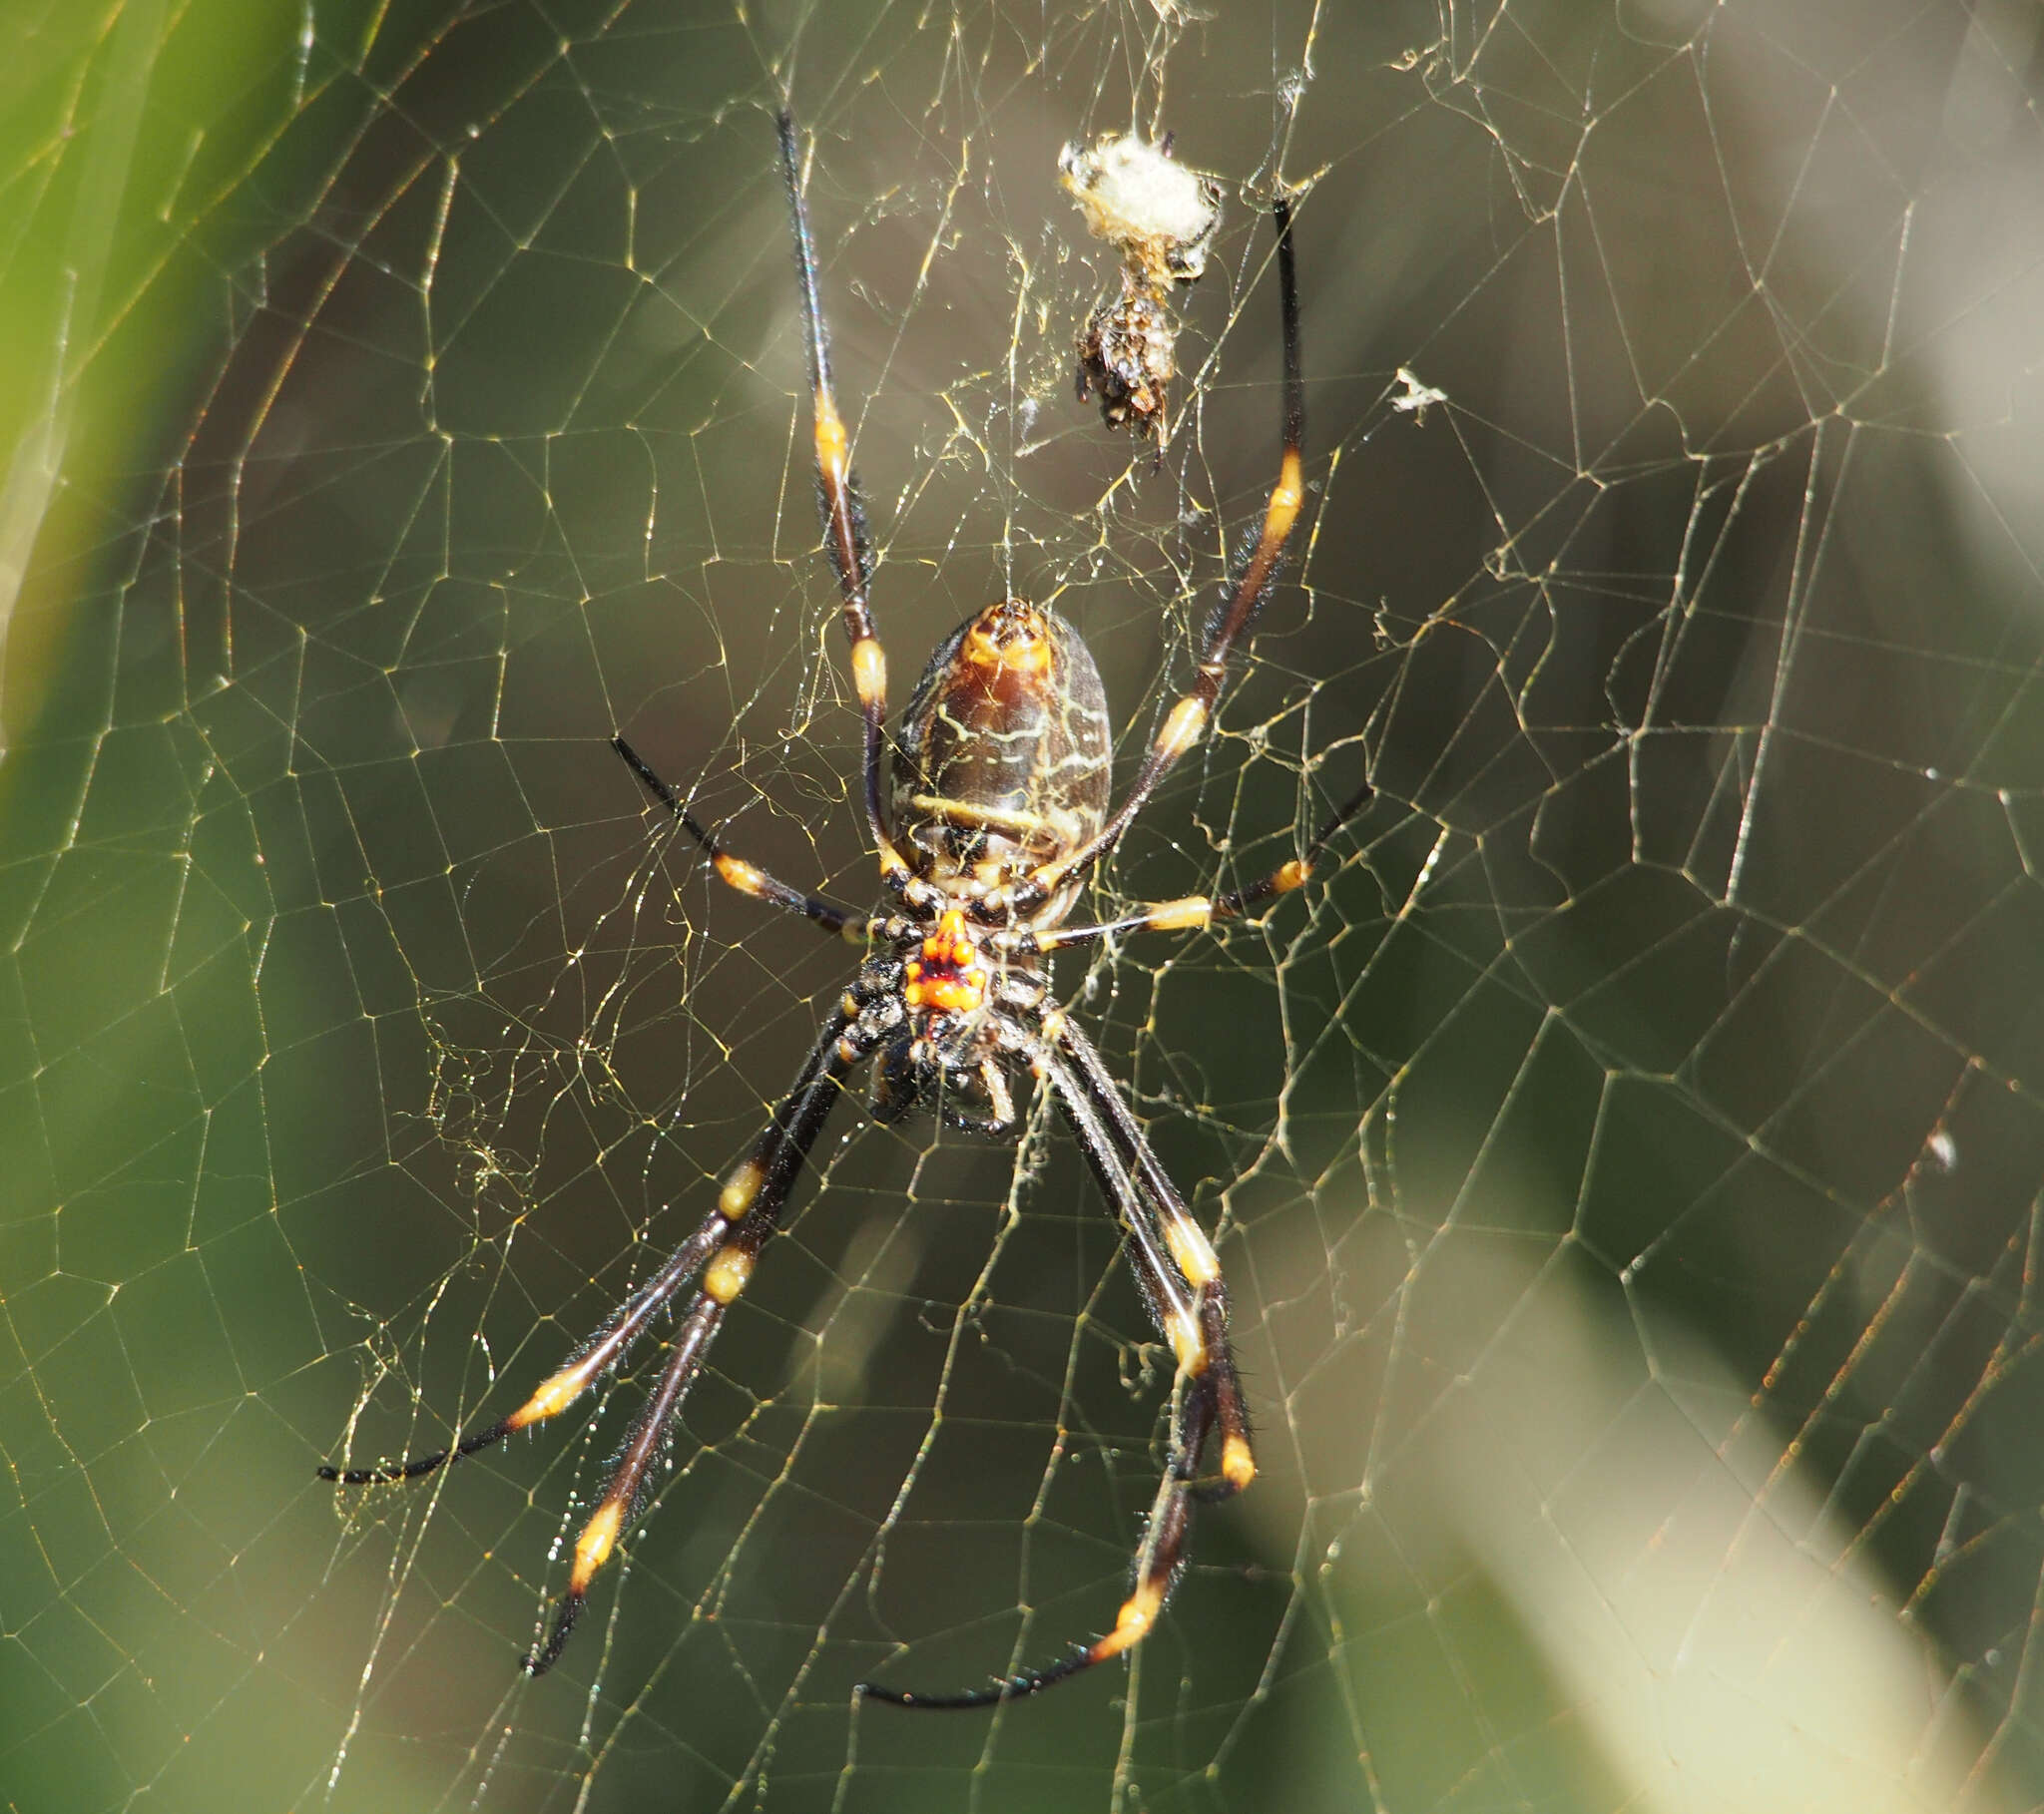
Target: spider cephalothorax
(986, 833)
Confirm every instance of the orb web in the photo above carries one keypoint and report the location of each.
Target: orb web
(1625, 1155)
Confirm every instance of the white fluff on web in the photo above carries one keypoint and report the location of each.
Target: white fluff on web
(1135, 196)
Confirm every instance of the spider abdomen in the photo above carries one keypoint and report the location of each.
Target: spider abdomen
(1005, 752)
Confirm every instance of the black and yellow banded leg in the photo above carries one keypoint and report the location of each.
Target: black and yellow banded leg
(723, 1249)
(1195, 912)
(735, 872)
(1187, 721)
(620, 1503)
(1166, 1249)
(1156, 1564)
(1191, 1253)
(837, 502)
(1164, 1542)
(747, 1211)
(773, 1157)
(573, 1377)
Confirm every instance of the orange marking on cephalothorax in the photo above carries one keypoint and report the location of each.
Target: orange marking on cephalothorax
(949, 976)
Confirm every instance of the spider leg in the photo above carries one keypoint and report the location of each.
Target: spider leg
(844, 530)
(1187, 721)
(1191, 1251)
(849, 924)
(1167, 1249)
(724, 1250)
(601, 1350)
(747, 1212)
(582, 1369)
(1192, 912)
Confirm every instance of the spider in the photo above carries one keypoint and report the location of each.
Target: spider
(994, 815)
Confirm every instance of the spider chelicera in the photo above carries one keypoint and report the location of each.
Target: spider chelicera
(987, 830)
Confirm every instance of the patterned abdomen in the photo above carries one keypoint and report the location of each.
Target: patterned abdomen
(1005, 755)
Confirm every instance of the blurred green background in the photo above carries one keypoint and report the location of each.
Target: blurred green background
(1627, 1161)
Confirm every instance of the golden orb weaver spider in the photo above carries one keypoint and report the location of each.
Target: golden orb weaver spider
(994, 816)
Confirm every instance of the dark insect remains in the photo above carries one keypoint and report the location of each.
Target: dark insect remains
(1161, 217)
(987, 830)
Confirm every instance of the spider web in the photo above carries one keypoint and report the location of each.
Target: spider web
(1625, 1157)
